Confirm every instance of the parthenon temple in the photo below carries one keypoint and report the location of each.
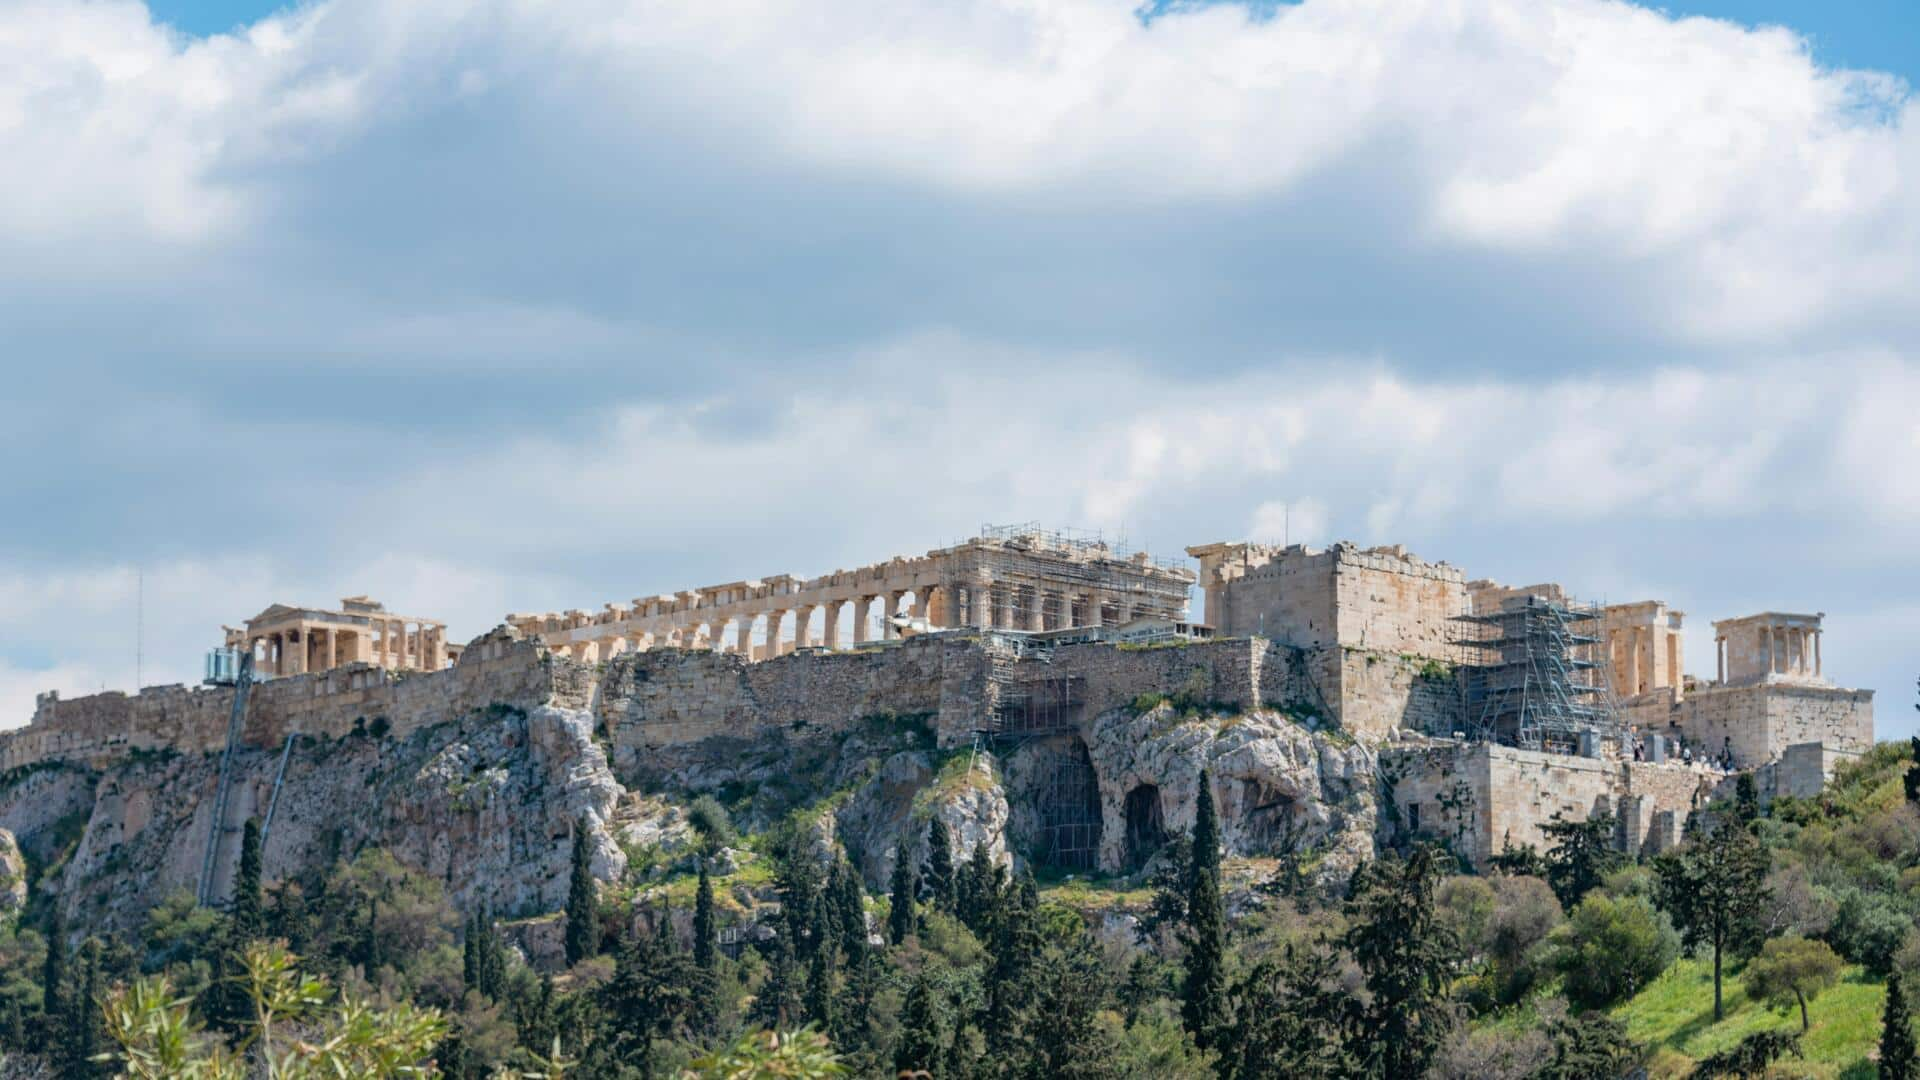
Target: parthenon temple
(1016, 577)
(292, 641)
(1769, 647)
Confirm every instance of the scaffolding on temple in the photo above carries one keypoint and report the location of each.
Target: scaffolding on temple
(1043, 709)
(1083, 564)
(1533, 675)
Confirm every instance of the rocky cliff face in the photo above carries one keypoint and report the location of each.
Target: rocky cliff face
(1278, 786)
(486, 804)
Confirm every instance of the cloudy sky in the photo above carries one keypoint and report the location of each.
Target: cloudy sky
(517, 305)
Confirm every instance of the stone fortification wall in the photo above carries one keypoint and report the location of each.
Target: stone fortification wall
(1480, 797)
(669, 698)
(1373, 694)
(1381, 599)
(101, 729)
(675, 697)
(1761, 720)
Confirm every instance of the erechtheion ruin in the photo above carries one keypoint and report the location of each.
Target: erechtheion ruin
(292, 641)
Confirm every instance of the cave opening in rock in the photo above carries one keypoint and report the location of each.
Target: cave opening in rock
(1146, 826)
(1068, 803)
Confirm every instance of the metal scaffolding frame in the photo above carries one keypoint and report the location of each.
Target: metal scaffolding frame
(1045, 710)
(1074, 559)
(1534, 674)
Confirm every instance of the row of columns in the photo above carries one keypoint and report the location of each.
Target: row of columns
(1790, 650)
(394, 644)
(982, 606)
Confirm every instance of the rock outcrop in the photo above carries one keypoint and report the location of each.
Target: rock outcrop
(1278, 786)
(13, 877)
(486, 804)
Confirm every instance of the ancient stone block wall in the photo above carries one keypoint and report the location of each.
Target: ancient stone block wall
(674, 697)
(1242, 673)
(1761, 720)
(500, 668)
(1374, 694)
(1481, 797)
(1389, 601)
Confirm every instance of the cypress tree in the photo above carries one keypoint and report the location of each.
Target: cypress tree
(15, 1031)
(53, 972)
(583, 930)
(249, 909)
(939, 865)
(849, 903)
(1203, 1005)
(470, 954)
(921, 1045)
(977, 890)
(1746, 799)
(1408, 958)
(778, 1002)
(1910, 780)
(820, 1010)
(1898, 1059)
(900, 918)
(81, 1021)
(1017, 945)
(703, 930)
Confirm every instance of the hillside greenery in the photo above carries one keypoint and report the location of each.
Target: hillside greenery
(1570, 962)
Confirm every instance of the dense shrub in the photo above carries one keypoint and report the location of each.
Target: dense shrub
(1611, 947)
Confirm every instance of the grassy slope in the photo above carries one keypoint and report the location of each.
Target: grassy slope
(1674, 1017)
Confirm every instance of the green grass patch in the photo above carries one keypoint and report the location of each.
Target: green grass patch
(1674, 1018)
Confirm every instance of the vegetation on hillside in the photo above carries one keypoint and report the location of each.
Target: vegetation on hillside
(1771, 942)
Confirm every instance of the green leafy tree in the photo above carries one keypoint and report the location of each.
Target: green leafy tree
(1592, 1046)
(1290, 1019)
(1746, 799)
(939, 869)
(1522, 861)
(1407, 957)
(80, 1043)
(1898, 1058)
(1611, 947)
(1064, 1037)
(900, 895)
(766, 1055)
(778, 1002)
(583, 914)
(1749, 1057)
(1792, 970)
(339, 1036)
(711, 821)
(1580, 856)
(1910, 779)
(1715, 888)
(1204, 1005)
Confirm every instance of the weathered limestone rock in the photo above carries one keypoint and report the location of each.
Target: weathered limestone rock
(904, 796)
(486, 804)
(13, 877)
(1275, 784)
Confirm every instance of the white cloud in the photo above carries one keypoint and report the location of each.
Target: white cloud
(1750, 191)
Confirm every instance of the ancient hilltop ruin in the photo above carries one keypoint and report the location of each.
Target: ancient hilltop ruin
(1048, 693)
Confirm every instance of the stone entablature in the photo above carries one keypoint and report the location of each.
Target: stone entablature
(295, 641)
(1010, 580)
(1772, 646)
(1382, 599)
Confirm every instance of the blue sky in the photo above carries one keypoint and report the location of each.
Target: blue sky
(482, 306)
(1880, 34)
